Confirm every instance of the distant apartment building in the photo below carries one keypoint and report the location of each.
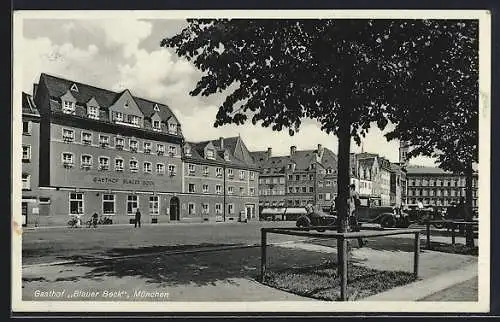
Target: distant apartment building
(220, 181)
(435, 187)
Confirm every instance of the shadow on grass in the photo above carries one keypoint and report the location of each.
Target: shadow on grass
(204, 268)
(322, 282)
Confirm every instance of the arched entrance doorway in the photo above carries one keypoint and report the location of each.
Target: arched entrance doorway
(174, 208)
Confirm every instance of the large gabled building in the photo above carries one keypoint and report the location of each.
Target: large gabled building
(105, 152)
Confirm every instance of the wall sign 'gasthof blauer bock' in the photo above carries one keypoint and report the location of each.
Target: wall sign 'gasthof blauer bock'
(106, 180)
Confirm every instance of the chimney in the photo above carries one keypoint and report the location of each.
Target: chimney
(269, 152)
(293, 148)
(221, 143)
(35, 87)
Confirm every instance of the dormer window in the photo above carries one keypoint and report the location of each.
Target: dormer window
(172, 128)
(156, 125)
(74, 88)
(226, 156)
(134, 119)
(210, 154)
(93, 112)
(118, 116)
(187, 151)
(68, 107)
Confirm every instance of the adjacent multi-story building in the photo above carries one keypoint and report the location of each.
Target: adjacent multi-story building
(436, 187)
(372, 167)
(220, 181)
(302, 177)
(30, 146)
(106, 152)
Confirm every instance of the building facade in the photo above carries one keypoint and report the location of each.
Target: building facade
(106, 152)
(372, 167)
(220, 181)
(436, 187)
(30, 147)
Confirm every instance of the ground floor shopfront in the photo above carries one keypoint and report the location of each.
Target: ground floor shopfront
(54, 207)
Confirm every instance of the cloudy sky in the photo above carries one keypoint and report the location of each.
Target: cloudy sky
(126, 53)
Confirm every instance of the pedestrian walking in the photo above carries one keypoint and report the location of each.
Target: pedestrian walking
(95, 218)
(354, 203)
(137, 218)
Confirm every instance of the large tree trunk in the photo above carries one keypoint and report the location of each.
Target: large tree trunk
(469, 232)
(343, 170)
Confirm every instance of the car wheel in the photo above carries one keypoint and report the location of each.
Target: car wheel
(387, 222)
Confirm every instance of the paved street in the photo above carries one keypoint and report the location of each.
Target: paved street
(185, 261)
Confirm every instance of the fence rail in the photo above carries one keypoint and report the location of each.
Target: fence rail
(453, 223)
(342, 242)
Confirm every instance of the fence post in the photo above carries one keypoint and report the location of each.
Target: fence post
(453, 234)
(263, 255)
(428, 231)
(416, 253)
(343, 268)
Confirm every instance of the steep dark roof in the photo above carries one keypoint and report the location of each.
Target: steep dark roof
(274, 165)
(28, 106)
(58, 86)
(259, 156)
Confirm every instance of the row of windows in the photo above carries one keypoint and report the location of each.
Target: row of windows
(297, 177)
(218, 189)
(205, 208)
(302, 202)
(275, 180)
(218, 172)
(459, 182)
(77, 204)
(86, 163)
(300, 189)
(272, 192)
(104, 141)
(437, 192)
(438, 201)
(327, 196)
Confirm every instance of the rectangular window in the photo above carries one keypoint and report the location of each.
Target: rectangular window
(118, 164)
(311, 177)
(147, 167)
(218, 208)
(108, 204)
(252, 191)
(218, 189)
(191, 169)
(218, 172)
(328, 183)
(26, 127)
(103, 140)
(76, 203)
(205, 170)
(210, 154)
(290, 189)
(68, 135)
(86, 161)
(297, 189)
(191, 208)
(252, 175)
(268, 180)
(320, 196)
(26, 153)
(311, 189)
(132, 204)
(87, 138)
(160, 168)
(134, 119)
(26, 181)
(172, 150)
(68, 107)
(230, 173)
(119, 143)
(67, 159)
(156, 125)
(242, 191)
(191, 188)
(205, 208)
(154, 205)
(242, 175)
(134, 165)
(230, 190)
(290, 177)
(118, 116)
(160, 149)
(282, 180)
(171, 170)
(147, 147)
(133, 145)
(93, 112)
(304, 189)
(230, 208)
(205, 188)
(172, 128)
(103, 163)
(297, 177)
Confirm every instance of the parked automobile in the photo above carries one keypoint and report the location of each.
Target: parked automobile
(317, 218)
(385, 216)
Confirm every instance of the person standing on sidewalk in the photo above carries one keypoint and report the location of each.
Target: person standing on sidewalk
(137, 218)
(354, 203)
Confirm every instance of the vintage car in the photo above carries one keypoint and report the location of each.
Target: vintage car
(317, 218)
(385, 216)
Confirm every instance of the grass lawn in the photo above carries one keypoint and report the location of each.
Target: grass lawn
(322, 282)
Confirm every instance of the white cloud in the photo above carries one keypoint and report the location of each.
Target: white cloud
(41, 55)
